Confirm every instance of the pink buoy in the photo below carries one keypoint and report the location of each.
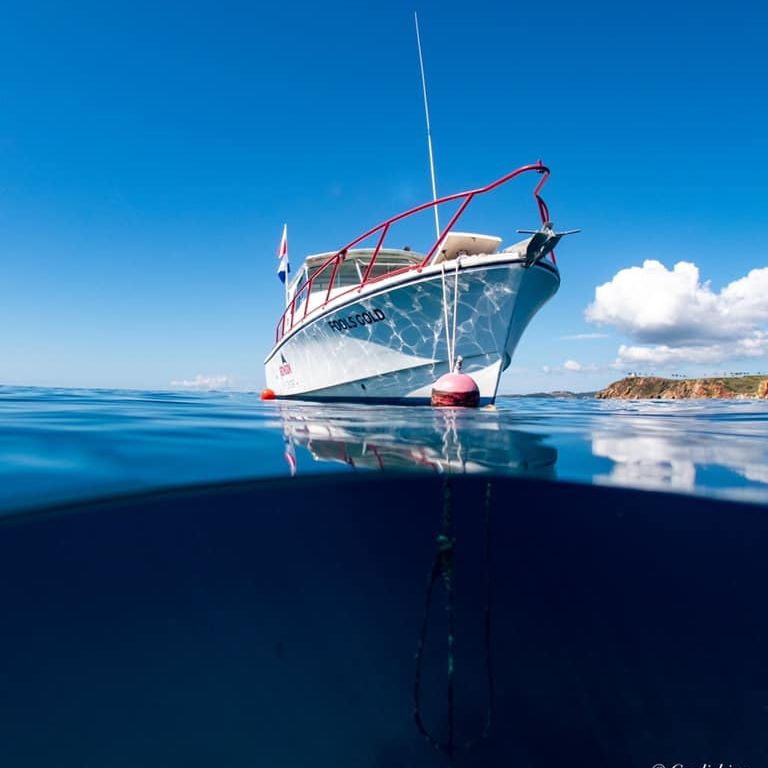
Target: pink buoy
(455, 390)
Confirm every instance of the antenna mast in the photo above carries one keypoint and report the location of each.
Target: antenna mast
(429, 130)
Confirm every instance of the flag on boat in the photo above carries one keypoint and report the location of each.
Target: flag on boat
(283, 267)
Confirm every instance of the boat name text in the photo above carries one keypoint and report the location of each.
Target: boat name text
(353, 321)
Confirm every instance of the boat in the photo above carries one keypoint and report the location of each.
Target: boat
(378, 324)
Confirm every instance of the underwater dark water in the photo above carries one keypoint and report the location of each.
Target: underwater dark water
(192, 580)
(276, 623)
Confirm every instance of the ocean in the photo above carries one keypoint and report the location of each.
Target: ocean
(203, 579)
(60, 445)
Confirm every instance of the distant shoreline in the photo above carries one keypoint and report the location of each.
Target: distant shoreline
(658, 388)
(557, 394)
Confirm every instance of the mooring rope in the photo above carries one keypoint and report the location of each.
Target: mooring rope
(443, 565)
(450, 337)
(445, 317)
(455, 310)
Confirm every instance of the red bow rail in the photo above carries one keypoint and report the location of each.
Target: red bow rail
(288, 319)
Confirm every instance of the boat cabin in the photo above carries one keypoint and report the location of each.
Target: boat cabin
(349, 272)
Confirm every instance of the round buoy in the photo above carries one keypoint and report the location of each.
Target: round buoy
(268, 394)
(455, 390)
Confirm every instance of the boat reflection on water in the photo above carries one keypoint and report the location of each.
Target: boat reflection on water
(429, 440)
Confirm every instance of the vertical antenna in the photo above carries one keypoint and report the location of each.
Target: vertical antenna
(429, 130)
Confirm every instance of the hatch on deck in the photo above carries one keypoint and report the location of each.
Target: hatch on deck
(456, 244)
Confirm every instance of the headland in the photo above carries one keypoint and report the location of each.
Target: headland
(657, 388)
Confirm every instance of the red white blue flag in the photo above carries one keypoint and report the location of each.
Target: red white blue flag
(283, 268)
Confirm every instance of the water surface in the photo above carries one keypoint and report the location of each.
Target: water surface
(62, 444)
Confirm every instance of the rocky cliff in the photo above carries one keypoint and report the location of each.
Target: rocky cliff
(656, 388)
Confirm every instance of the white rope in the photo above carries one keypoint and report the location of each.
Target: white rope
(453, 451)
(445, 319)
(455, 310)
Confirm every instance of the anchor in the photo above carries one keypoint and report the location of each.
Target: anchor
(542, 242)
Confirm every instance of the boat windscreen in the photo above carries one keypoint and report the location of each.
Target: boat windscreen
(352, 270)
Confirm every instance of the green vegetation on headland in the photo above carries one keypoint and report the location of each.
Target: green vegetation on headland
(657, 388)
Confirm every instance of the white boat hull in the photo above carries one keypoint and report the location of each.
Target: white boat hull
(389, 343)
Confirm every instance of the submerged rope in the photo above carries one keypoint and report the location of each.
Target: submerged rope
(443, 566)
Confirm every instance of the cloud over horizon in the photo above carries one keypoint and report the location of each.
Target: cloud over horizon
(569, 366)
(204, 382)
(676, 318)
(583, 336)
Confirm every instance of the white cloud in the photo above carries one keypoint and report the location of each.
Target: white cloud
(755, 345)
(584, 336)
(203, 382)
(677, 319)
(569, 366)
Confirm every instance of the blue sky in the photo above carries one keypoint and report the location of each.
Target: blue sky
(150, 153)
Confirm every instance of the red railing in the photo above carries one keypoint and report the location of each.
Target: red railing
(288, 318)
